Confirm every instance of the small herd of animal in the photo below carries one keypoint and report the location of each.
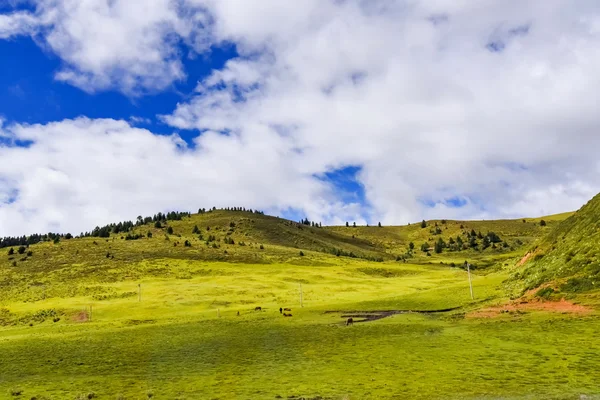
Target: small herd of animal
(281, 311)
(349, 321)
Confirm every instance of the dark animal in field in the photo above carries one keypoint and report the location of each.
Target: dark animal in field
(287, 309)
(258, 309)
(350, 321)
(238, 313)
(280, 310)
(287, 315)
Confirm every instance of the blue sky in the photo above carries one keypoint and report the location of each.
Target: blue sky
(30, 94)
(337, 111)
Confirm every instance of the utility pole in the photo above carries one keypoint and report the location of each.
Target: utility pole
(301, 296)
(469, 274)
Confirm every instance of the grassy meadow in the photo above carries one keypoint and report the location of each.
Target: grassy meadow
(155, 319)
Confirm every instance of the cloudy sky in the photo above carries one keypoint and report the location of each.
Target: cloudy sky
(338, 110)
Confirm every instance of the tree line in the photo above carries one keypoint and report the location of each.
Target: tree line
(11, 241)
(105, 231)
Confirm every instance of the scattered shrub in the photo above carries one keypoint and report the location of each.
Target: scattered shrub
(545, 293)
(301, 254)
(578, 284)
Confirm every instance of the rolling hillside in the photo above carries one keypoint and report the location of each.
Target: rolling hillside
(251, 238)
(242, 236)
(458, 240)
(568, 258)
(188, 306)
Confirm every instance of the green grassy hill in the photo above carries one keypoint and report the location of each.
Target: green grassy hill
(568, 257)
(170, 312)
(67, 268)
(512, 236)
(239, 236)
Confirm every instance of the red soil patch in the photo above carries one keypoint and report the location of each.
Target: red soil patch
(524, 259)
(81, 316)
(561, 306)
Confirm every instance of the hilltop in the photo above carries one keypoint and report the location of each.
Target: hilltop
(240, 235)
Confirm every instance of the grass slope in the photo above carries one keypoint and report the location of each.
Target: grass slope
(518, 234)
(568, 257)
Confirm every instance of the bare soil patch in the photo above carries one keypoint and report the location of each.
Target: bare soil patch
(562, 306)
(81, 316)
(524, 259)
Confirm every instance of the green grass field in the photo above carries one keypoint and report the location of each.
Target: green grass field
(184, 339)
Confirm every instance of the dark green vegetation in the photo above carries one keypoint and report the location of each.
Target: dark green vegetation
(164, 307)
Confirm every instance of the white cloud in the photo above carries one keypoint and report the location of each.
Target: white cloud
(135, 120)
(18, 23)
(127, 45)
(79, 173)
(408, 91)
(425, 108)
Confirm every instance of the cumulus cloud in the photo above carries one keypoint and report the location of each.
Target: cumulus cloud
(453, 109)
(18, 23)
(490, 101)
(76, 174)
(128, 45)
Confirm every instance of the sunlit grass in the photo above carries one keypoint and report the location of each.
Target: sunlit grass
(184, 338)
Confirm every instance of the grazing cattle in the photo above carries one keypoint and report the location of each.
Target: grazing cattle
(350, 321)
(280, 310)
(258, 309)
(287, 309)
(287, 315)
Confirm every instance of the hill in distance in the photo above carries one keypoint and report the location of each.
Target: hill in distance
(243, 236)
